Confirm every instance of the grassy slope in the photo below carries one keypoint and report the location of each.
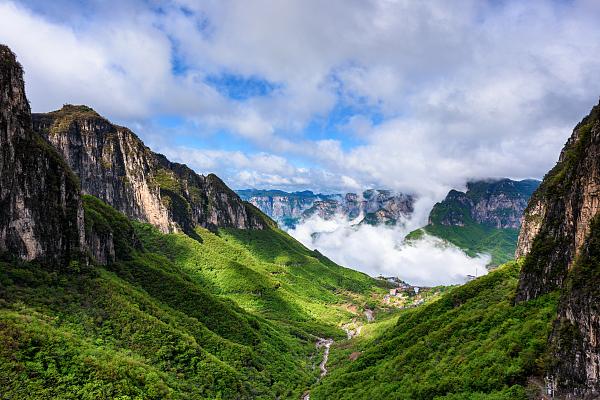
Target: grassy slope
(477, 239)
(267, 273)
(232, 317)
(471, 344)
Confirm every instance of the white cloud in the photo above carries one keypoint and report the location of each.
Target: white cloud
(381, 251)
(468, 90)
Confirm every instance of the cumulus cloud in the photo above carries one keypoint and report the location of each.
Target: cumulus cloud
(380, 250)
(422, 95)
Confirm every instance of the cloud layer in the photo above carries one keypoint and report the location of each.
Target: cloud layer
(380, 250)
(413, 96)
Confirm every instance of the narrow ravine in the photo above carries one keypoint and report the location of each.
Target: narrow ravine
(326, 343)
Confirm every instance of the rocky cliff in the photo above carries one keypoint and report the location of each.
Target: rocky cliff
(376, 207)
(482, 220)
(496, 203)
(41, 215)
(373, 206)
(114, 165)
(560, 238)
(557, 219)
(284, 207)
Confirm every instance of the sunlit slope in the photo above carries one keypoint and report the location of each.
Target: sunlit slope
(472, 343)
(269, 273)
(227, 316)
(475, 239)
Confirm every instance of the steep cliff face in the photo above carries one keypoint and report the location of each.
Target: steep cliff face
(375, 206)
(482, 220)
(499, 204)
(41, 216)
(285, 208)
(560, 238)
(558, 218)
(114, 165)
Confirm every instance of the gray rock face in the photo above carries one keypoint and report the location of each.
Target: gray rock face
(114, 165)
(285, 208)
(375, 206)
(41, 216)
(560, 238)
(496, 203)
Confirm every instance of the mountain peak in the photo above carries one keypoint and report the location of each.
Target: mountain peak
(76, 109)
(559, 239)
(41, 213)
(114, 165)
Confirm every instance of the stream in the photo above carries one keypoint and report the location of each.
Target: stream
(321, 342)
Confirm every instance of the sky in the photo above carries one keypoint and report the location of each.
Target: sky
(332, 96)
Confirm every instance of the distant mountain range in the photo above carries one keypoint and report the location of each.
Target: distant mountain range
(371, 206)
(484, 219)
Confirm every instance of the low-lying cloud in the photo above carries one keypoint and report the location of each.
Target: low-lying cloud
(381, 250)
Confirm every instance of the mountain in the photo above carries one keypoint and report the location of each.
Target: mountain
(484, 219)
(373, 206)
(284, 207)
(527, 330)
(473, 342)
(560, 243)
(41, 217)
(147, 281)
(114, 165)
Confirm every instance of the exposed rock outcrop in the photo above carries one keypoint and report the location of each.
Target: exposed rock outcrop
(41, 215)
(496, 203)
(114, 165)
(284, 207)
(558, 217)
(373, 206)
(560, 238)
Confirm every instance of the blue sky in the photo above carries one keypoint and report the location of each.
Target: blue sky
(329, 96)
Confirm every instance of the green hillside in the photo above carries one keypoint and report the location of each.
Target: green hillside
(231, 315)
(484, 219)
(475, 239)
(472, 343)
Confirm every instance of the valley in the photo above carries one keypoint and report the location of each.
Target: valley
(127, 275)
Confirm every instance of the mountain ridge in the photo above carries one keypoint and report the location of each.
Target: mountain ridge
(95, 303)
(113, 164)
(559, 244)
(376, 206)
(484, 219)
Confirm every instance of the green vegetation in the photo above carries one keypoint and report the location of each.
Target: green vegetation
(232, 317)
(268, 273)
(452, 219)
(63, 119)
(476, 239)
(472, 343)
